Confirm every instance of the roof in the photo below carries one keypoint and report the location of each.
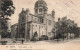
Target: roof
(40, 2)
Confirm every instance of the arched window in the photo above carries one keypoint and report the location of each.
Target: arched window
(40, 10)
(36, 11)
(41, 20)
(22, 19)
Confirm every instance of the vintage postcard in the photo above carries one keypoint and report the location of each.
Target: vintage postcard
(39, 24)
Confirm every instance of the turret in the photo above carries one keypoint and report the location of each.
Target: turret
(53, 14)
(27, 11)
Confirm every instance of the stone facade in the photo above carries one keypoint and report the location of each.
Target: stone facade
(14, 30)
(40, 22)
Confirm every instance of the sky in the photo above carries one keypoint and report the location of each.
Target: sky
(69, 8)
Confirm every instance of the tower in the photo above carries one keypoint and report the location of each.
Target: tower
(53, 14)
(40, 8)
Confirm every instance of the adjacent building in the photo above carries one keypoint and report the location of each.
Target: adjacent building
(14, 30)
(8, 23)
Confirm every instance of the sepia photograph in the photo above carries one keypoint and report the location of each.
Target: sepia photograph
(40, 24)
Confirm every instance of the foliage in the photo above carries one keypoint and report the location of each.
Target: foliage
(66, 26)
(7, 9)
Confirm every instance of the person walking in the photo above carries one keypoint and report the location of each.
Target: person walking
(22, 41)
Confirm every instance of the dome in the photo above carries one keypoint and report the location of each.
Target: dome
(40, 2)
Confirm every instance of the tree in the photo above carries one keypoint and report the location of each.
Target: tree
(62, 28)
(66, 26)
(7, 9)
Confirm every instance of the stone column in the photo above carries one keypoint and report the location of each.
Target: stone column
(25, 32)
(26, 25)
(46, 27)
(0, 19)
(39, 30)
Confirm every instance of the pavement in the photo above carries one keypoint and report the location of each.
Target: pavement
(41, 42)
(73, 44)
(12, 42)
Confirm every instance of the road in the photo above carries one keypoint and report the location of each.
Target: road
(52, 45)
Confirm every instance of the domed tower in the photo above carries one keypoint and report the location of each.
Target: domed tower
(53, 13)
(40, 8)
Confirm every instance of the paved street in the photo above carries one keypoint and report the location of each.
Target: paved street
(62, 45)
(52, 45)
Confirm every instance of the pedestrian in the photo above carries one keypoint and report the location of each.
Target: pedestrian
(22, 41)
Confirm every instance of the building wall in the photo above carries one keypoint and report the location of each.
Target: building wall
(39, 28)
(49, 22)
(14, 30)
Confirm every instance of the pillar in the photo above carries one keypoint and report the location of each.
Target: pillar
(0, 27)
